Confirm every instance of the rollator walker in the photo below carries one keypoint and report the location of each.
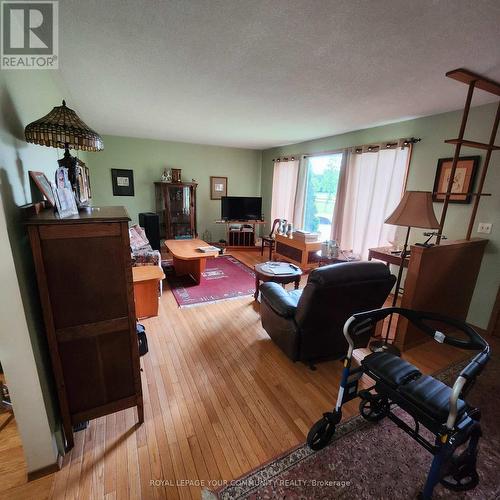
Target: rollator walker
(431, 403)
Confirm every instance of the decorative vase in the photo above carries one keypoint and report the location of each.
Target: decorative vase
(166, 176)
(334, 249)
(289, 231)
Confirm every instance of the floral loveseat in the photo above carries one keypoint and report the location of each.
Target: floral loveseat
(141, 251)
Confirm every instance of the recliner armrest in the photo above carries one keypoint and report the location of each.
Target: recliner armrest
(279, 300)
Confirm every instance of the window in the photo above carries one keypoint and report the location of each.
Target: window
(323, 174)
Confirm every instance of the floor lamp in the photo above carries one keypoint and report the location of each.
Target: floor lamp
(414, 210)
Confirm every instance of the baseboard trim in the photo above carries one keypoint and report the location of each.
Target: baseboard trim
(45, 471)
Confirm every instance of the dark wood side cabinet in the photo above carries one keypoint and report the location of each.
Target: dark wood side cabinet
(84, 276)
(440, 279)
(176, 206)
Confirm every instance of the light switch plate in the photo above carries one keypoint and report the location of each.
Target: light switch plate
(484, 227)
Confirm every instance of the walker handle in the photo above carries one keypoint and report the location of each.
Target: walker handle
(474, 340)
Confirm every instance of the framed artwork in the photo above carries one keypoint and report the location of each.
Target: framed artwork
(43, 184)
(218, 187)
(463, 182)
(122, 181)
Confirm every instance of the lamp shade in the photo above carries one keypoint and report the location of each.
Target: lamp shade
(414, 210)
(62, 128)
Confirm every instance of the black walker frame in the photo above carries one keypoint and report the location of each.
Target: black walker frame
(455, 472)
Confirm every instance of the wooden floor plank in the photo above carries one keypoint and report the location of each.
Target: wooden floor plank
(110, 461)
(85, 479)
(134, 479)
(75, 468)
(99, 458)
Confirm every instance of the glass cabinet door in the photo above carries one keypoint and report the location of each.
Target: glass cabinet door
(180, 211)
(176, 207)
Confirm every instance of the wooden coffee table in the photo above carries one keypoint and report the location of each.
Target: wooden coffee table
(188, 259)
(264, 276)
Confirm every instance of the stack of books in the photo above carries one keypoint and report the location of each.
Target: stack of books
(305, 236)
(208, 249)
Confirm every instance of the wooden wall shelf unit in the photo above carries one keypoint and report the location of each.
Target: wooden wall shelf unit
(440, 279)
(298, 252)
(84, 276)
(474, 81)
(242, 239)
(176, 207)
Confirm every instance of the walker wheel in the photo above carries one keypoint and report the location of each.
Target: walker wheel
(373, 410)
(322, 431)
(461, 473)
(461, 481)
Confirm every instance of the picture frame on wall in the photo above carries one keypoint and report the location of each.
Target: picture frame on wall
(463, 182)
(43, 185)
(218, 187)
(122, 181)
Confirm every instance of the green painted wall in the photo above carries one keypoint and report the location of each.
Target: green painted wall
(147, 158)
(24, 97)
(432, 130)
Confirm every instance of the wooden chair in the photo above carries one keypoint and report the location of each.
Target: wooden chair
(268, 241)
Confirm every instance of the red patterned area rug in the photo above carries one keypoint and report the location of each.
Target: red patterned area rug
(224, 278)
(374, 461)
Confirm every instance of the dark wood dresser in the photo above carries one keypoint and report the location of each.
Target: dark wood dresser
(84, 276)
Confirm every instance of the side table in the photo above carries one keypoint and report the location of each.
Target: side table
(146, 280)
(324, 260)
(262, 275)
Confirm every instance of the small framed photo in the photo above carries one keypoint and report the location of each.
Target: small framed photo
(44, 186)
(65, 202)
(123, 182)
(83, 193)
(463, 182)
(218, 187)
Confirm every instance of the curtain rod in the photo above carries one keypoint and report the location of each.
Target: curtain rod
(303, 155)
(374, 147)
(287, 158)
(324, 153)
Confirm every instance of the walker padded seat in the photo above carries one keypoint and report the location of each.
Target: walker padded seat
(391, 369)
(432, 397)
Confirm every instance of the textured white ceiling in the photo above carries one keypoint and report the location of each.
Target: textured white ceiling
(256, 73)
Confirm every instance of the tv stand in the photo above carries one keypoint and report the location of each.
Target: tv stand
(243, 237)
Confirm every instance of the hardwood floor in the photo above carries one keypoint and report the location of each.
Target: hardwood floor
(220, 399)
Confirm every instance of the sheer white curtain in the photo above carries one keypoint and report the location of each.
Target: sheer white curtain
(374, 186)
(300, 195)
(284, 189)
(338, 209)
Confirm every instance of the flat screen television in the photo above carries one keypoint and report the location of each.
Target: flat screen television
(241, 207)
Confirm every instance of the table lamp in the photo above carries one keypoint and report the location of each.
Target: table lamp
(63, 128)
(414, 210)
